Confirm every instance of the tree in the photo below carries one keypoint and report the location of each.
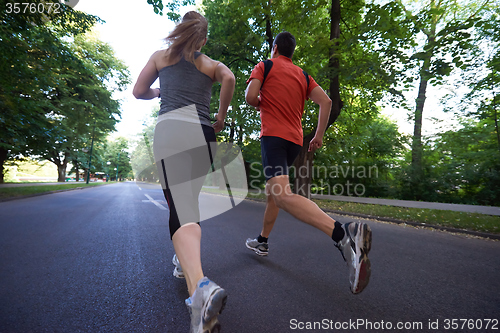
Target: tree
(471, 153)
(483, 77)
(360, 158)
(318, 51)
(142, 156)
(114, 159)
(355, 59)
(467, 169)
(82, 107)
(445, 27)
(30, 48)
(241, 35)
(305, 158)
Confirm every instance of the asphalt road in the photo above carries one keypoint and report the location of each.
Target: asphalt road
(99, 260)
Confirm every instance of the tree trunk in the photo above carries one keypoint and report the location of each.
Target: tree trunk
(416, 150)
(77, 171)
(86, 174)
(232, 131)
(496, 120)
(333, 63)
(240, 135)
(61, 167)
(417, 171)
(302, 183)
(269, 32)
(61, 172)
(303, 166)
(3, 158)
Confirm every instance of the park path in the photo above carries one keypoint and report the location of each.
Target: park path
(488, 210)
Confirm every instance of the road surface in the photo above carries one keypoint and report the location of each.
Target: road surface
(99, 260)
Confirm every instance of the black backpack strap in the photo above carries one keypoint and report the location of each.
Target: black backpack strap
(307, 79)
(268, 64)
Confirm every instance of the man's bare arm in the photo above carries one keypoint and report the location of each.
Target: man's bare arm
(252, 93)
(319, 97)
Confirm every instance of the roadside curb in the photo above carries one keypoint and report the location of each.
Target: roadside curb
(412, 223)
(49, 192)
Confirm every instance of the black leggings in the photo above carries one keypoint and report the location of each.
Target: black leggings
(186, 160)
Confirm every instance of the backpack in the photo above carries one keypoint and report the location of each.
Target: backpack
(268, 64)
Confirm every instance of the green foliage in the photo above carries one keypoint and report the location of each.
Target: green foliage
(363, 153)
(472, 152)
(31, 47)
(113, 158)
(444, 30)
(171, 7)
(30, 168)
(55, 81)
(470, 163)
(460, 166)
(384, 49)
(239, 49)
(81, 105)
(142, 158)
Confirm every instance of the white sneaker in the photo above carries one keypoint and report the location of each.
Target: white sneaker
(178, 273)
(262, 249)
(354, 247)
(205, 305)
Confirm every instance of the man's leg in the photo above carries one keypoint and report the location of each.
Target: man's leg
(352, 239)
(299, 207)
(259, 245)
(270, 214)
(279, 195)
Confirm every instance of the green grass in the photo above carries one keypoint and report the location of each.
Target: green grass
(20, 191)
(445, 218)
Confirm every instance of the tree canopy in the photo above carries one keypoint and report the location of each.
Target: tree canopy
(56, 86)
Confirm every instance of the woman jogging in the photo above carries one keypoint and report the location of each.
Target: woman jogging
(183, 150)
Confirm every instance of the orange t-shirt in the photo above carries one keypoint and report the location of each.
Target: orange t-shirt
(282, 99)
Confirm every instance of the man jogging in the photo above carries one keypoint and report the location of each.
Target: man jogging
(278, 89)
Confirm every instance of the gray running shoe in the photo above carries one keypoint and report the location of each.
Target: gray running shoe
(354, 247)
(206, 303)
(262, 249)
(178, 273)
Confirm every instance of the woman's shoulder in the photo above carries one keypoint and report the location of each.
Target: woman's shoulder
(203, 57)
(162, 60)
(206, 65)
(159, 54)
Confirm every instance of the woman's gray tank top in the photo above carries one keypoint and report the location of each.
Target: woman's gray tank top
(182, 84)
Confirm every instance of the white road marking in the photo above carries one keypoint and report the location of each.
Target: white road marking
(156, 203)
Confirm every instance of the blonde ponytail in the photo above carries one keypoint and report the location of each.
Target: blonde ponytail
(188, 36)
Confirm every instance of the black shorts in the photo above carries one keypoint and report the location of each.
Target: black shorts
(277, 155)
